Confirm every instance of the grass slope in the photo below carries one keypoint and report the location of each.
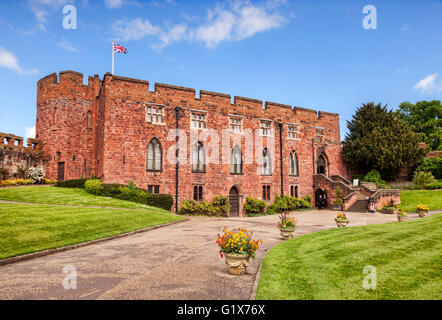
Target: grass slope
(329, 264)
(70, 196)
(29, 228)
(411, 198)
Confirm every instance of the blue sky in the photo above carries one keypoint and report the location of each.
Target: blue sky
(313, 54)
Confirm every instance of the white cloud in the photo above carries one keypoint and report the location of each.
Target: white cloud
(66, 45)
(30, 132)
(428, 84)
(404, 27)
(8, 60)
(234, 21)
(42, 9)
(114, 4)
(134, 29)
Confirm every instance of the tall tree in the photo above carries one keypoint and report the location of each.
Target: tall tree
(378, 139)
(425, 117)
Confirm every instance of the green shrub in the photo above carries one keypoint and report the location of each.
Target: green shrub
(254, 206)
(434, 186)
(286, 203)
(74, 183)
(94, 186)
(375, 176)
(111, 189)
(132, 193)
(188, 207)
(164, 201)
(308, 198)
(423, 178)
(221, 206)
(433, 165)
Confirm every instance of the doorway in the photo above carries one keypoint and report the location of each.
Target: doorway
(60, 176)
(234, 202)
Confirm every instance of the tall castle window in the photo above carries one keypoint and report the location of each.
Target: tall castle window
(198, 158)
(55, 117)
(198, 193)
(319, 135)
(198, 120)
(293, 164)
(154, 114)
(154, 156)
(265, 128)
(266, 162)
(235, 125)
(236, 162)
(292, 132)
(89, 119)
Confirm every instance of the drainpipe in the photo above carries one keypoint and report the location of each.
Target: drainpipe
(177, 110)
(280, 157)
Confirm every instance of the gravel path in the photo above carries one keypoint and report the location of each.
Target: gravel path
(176, 262)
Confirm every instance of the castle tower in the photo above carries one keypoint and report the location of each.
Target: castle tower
(65, 124)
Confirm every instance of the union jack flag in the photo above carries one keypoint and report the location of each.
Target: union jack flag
(119, 49)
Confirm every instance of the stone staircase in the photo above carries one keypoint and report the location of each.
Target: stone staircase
(359, 206)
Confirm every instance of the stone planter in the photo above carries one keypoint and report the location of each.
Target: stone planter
(341, 223)
(287, 233)
(389, 211)
(337, 207)
(237, 263)
(422, 213)
(401, 218)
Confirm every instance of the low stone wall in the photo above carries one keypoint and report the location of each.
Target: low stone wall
(384, 197)
(13, 155)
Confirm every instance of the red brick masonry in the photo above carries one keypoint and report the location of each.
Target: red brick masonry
(101, 128)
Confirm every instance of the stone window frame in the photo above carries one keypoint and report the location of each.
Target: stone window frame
(89, 119)
(319, 135)
(198, 193)
(236, 168)
(293, 164)
(266, 166)
(198, 119)
(292, 134)
(235, 124)
(155, 111)
(265, 127)
(153, 188)
(266, 192)
(294, 190)
(154, 142)
(200, 165)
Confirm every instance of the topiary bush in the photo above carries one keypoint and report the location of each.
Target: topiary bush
(254, 206)
(423, 178)
(74, 183)
(94, 186)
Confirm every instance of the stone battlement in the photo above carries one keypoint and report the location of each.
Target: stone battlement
(70, 78)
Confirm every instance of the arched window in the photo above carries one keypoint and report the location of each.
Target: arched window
(236, 161)
(154, 156)
(198, 158)
(293, 164)
(266, 162)
(89, 119)
(321, 165)
(55, 117)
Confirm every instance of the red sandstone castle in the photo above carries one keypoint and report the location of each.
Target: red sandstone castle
(170, 141)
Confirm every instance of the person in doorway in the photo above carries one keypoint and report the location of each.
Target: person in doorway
(371, 207)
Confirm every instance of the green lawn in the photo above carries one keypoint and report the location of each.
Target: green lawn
(26, 228)
(329, 264)
(411, 198)
(72, 196)
(29, 228)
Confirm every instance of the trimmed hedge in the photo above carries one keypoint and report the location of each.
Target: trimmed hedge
(219, 207)
(94, 186)
(74, 183)
(285, 203)
(254, 207)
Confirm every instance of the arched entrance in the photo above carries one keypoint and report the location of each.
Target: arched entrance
(321, 198)
(234, 202)
(321, 165)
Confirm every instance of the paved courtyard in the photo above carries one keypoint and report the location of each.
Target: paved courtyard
(180, 261)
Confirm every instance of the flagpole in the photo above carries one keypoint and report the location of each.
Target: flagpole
(113, 59)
